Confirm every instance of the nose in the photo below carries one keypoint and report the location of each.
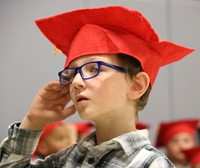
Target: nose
(78, 82)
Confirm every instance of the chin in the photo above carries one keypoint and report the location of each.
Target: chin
(84, 115)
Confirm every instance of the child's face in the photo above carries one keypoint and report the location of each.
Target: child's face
(58, 139)
(104, 96)
(176, 144)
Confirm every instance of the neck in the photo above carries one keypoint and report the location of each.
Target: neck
(108, 130)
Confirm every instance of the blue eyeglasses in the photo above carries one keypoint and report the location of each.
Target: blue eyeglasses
(87, 71)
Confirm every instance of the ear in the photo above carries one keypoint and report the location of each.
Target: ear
(138, 86)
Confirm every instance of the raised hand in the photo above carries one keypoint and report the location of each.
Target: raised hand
(48, 106)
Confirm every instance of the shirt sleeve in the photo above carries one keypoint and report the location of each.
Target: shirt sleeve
(18, 147)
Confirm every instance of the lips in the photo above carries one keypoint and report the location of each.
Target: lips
(80, 98)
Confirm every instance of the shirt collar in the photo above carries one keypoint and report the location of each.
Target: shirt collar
(132, 141)
(129, 142)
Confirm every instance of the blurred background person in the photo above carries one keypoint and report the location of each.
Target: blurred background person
(176, 136)
(55, 137)
(72, 133)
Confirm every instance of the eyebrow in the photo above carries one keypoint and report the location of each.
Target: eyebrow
(90, 59)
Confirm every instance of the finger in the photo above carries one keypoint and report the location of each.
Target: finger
(67, 112)
(65, 90)
(51, 85)
(52, 94)
(58, 87)
(63, 100)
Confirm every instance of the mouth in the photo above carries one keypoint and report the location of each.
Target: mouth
(81, 99)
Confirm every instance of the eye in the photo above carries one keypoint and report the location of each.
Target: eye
(92, 68)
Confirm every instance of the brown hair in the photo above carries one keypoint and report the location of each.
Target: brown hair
(133, 66)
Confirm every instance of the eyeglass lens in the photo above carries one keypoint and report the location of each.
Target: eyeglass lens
(87, 71)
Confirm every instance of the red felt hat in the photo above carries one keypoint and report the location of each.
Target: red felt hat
(140, 125)
(110, 30)
(193, 155)
(84, 128)
(168, 129)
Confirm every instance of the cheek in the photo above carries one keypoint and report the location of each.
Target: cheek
(71, 91)
(189, 144)
(112, 85)
(57, 146)
(110, 93)
(173, 148)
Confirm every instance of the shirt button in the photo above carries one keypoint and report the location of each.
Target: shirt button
(91, 160)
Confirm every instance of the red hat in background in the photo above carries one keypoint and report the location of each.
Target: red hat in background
(110, 30)
(48, 129)
(140, 125)
(193, 155)
(84, 128)
(168, 129)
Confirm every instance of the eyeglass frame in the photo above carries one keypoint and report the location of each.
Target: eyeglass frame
(79, 70)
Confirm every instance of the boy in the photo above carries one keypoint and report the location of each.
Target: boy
(113, 57)
(177, 136)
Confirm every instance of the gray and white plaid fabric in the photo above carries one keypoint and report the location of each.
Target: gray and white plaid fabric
(131, 150)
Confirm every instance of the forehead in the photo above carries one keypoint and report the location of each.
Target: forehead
(109, 58)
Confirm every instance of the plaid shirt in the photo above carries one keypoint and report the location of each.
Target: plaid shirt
(131, 150)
